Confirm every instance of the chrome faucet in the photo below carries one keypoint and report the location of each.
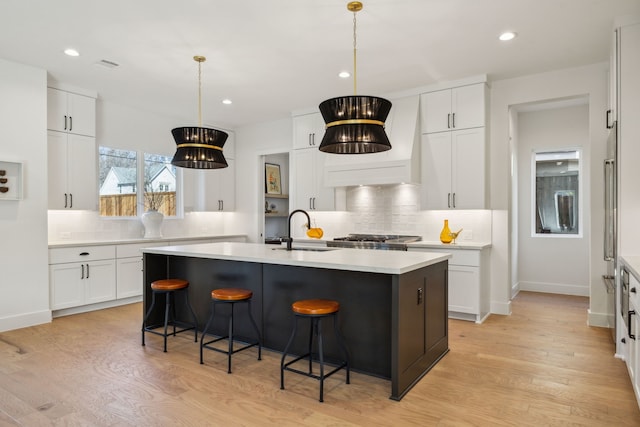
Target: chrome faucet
(289, 238)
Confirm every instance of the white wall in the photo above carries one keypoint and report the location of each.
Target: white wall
(588, 81)
(24, 287)
(549, 263)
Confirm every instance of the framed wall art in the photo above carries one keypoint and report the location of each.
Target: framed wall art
(272, 179)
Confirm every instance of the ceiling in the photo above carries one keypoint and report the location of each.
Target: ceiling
(272, 57)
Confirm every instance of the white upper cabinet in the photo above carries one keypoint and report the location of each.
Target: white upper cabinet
(453, 170)
(72, 182)
(452, 109)
(220, 188)
(71, 113)
(310, 192)
(308, 130)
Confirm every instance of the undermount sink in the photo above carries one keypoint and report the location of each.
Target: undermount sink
(306, 249)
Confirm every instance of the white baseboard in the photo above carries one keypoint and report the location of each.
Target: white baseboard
(598, 319)
(97, 306)
(501, 308)
(25, 320)
(554, 288)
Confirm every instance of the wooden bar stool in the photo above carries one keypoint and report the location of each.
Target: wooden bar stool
(229, 296)
(315, 310)
(169, 287)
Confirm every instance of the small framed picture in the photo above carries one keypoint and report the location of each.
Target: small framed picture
(272, 178)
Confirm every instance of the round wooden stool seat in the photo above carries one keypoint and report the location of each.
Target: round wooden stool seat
(231, 294)
(315, 307)
(169, 285)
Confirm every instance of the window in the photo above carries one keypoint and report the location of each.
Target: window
(121, 176)
(159, 184)
(118, 180)
(556, 192)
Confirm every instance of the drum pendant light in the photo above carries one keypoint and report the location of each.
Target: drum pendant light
(355, 124)
(198, 147)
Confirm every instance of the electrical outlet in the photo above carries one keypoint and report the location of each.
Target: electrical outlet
(467, 234)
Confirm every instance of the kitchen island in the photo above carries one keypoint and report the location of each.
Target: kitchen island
(393, 305)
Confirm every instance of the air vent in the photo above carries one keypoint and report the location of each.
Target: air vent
(107, 64)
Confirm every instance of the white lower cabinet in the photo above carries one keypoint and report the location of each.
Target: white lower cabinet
(81, 275)
(469, 293)
(633, 326)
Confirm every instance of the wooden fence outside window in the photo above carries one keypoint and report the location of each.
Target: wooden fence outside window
(126, 204)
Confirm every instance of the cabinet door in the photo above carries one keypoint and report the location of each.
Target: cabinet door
(436, 111)
(436, 170)
(308, 130)
(82, 113)
(129, 278)
(57, 170)
(468, 106)
(219, 188)
(81, 172)
(57, 117)
(464, 288)
(304, 182)
(323, 197)
(66, 285)
(100, 281)
(468, 169)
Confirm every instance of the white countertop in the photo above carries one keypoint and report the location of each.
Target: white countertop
(366, 260)
(70, 243)
(460, 244)
(633, 264)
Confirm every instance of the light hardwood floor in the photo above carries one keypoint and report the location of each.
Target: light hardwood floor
(540, 366)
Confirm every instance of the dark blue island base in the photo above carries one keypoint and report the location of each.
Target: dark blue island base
(395, 325)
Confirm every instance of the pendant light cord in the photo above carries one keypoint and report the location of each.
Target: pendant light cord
(355, 72)
(200, 93)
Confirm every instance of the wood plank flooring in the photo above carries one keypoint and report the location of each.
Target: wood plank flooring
(541, 366)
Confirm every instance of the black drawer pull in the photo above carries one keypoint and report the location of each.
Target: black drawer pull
(84, 253)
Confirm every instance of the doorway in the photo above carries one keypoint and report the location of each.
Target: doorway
(547, 257)
(275, 182)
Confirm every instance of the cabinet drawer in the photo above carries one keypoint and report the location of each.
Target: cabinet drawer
(460, 256)
(81, 254)
(135, 249)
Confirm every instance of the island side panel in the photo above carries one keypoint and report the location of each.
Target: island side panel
(420, 325)
(205, 275)
(364, 318)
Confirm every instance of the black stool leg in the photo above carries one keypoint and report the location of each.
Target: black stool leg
(318, 322)
(166, 317)
(230, 333)
(193, 314)
(146, 316)
(286, 350)
(312, 330)
(341, 344)
(255, 326)
(206, 328)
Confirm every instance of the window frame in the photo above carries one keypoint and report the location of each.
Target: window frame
(140, 179)
(580, 158)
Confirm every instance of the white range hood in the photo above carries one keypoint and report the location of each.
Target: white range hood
(399, 165)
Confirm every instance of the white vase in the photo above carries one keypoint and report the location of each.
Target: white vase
(152, 221)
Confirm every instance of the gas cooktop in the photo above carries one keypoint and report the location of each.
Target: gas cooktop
(374, 241)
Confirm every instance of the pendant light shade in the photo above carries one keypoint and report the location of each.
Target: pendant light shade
(198, 147)
(355, 124)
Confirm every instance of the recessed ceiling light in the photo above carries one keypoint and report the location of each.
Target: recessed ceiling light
(227, 101)
(344, 74)
(507, 35)
(71, 52)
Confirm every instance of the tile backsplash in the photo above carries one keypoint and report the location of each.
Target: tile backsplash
(395, 209)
